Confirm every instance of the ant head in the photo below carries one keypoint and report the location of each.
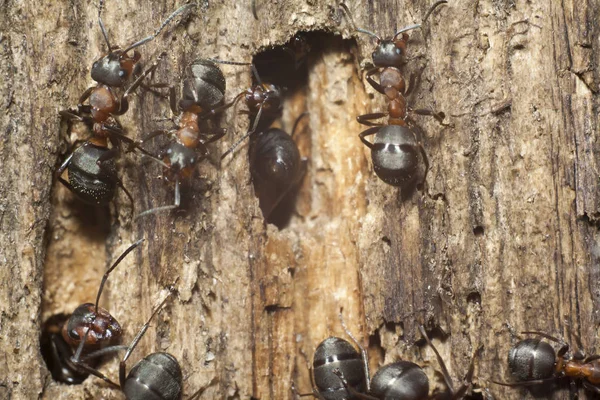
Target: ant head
(104, 330)
(390, 52)
(115, 68)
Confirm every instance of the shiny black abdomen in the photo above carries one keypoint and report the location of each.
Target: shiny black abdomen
(156, 377)
(90, 182)
(334, 353)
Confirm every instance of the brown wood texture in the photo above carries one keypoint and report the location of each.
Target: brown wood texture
(503, 237)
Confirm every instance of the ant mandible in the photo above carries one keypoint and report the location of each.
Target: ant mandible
(92, 169)
(89, 321)
(533, 361)
(395, 147)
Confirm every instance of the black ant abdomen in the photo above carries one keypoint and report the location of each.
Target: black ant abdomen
(156, 376)
(531, 359)
(338, 354)
(394, 154)
(400, 380)
(91, 178)
(204, 86)
(275, 165)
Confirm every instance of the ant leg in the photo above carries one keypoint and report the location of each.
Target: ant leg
(112, 153)
(372, 81)
(221, 108)
(215, 135)
(72, 116)
(368, 132)
(467, 381)
(136, 340)
(314, 393)
(107, 273)
(85, 96)
(411, 84)
(124, 103)
(61, 169)
(365, 118)
(304, 114)
(351, 391)
(81, 365)
(590, 387)
(526, 383)
(203, 389)
(254, 10)
(425, 161)
(165, 208)
(439, 116)
(445, 373)
(250, 132)
(564, 346)
(363, 352)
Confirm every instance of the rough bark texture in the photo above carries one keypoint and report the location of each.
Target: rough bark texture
(503, 237)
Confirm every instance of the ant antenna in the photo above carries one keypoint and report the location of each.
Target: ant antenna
(180, 10)
(105, 277)
(102, 28)
(411, 27)
(351, 20)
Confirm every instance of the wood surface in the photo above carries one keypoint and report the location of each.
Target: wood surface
(502, 238)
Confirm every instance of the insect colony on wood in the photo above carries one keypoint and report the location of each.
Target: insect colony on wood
(74, 346)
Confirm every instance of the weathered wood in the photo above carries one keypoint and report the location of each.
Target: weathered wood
(503, 237)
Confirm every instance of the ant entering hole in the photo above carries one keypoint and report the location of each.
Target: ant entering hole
(277, 164)
(54, 349)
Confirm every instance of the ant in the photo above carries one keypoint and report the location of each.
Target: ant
(533, 362)
(264, 102)
(157, 376)
(203, 91)
(92, 169)
(101, 330)
(399, 380)
(395, 147)
(275, 165)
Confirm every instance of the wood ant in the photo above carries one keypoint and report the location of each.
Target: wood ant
(101, 330)
(91, 167)
(203, 92)
(399, 380)
(533, 362)
(156, 376)
(264, 102)
(275, 165)
(395, 147)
